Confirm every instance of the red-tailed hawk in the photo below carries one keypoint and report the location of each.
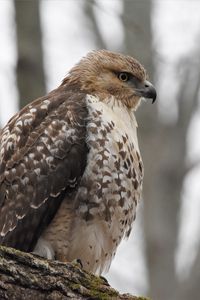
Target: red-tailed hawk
(70, 167)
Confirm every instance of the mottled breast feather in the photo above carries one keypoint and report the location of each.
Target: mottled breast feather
(41, 142)
(111, 185)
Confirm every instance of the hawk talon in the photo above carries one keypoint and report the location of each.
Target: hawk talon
(78, 263)
(104, 279)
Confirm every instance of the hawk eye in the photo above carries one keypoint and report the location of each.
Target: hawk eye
(123, 76)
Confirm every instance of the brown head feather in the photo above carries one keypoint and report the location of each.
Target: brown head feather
(97, 74)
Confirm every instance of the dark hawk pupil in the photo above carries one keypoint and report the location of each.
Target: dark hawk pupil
(123, 76)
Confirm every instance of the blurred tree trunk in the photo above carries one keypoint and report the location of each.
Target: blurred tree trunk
(163, 148)
(30, 71)
(92, 23)
(163, 161)
(188, 99)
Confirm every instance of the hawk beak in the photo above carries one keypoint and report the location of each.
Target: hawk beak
(149, 91)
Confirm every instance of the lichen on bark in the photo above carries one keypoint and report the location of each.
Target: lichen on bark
(24, 276)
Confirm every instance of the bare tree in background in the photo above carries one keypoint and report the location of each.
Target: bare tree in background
(188, 103)
(30, 71)
(92, 25)
(164, 153)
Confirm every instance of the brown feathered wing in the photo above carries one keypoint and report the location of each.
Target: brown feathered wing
(42, 157)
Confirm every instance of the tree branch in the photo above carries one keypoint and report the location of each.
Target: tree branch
(24, 276)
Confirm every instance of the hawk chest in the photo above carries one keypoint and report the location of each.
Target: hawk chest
(111, 185)
(102, 210)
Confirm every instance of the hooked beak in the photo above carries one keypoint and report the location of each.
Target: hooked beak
(148, 91)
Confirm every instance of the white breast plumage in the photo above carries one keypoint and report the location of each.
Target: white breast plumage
(112, 181)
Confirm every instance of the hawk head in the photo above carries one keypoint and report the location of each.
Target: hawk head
(105, 74)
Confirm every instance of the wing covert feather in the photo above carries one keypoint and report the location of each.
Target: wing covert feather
(42, 152)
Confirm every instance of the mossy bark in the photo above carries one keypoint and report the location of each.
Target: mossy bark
(24, 276)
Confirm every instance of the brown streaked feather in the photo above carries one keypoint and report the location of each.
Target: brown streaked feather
(43, 141)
